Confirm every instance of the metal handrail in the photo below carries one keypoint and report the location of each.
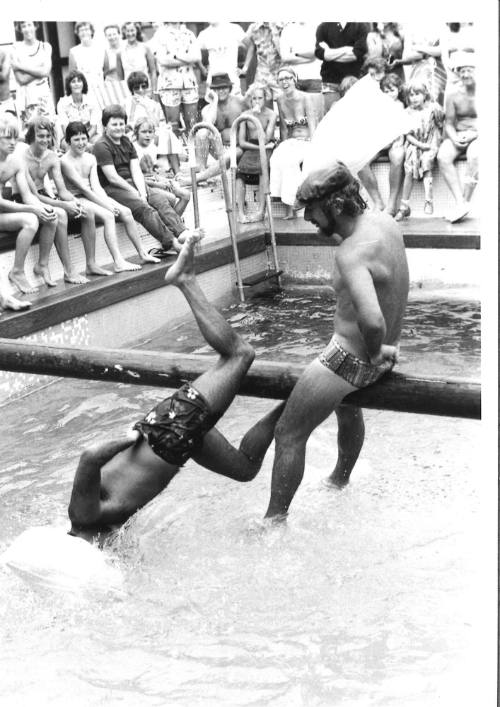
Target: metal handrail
(219, 150)
(248, 117)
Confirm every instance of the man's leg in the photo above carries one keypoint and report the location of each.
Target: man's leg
(159, 200)
(220, 384)
(470, 180)
(446, 156)
(62, 248)
(316, 395)
(143, 213)
(350, 438)
(27, 225)
(369, 181)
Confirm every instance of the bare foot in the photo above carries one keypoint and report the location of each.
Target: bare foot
(147, 258)
(255, 217)
(243, 219)
(97, 270)
(19, 280)
(11, 302)
(338, 482)
(290, 214)
(42, 271)
(184, 265)
(125, 265)
(74, 278)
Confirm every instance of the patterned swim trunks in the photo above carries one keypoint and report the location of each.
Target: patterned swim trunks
(175, 428)
(351, 368)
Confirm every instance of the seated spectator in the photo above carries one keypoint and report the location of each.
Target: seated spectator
(297, 125)
(139, 106)
(76, 105)
(121, 176)
(87, 57)
(24, 213)
(249, 166)
(79, 168)
(456, 36)
(394, 87)
(42, 162)
(421, 144)
(461, 136)
(219, 44)
(112, 68)
(297, 45)
(153, 167)
(31, 63)
(222, 110)
(136, 55)
(374, 66)
(394, 47)
(263, 42)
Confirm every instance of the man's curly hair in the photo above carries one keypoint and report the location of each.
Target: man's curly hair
(353, 203)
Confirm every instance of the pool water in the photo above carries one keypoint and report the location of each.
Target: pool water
(372, 595)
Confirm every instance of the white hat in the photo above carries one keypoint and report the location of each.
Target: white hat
(47, 556)
(461, 58)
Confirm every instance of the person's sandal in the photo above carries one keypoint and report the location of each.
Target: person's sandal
(428, 207)
(403, 212)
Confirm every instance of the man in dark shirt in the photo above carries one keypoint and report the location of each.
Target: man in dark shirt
(341, 46)
(122, 179)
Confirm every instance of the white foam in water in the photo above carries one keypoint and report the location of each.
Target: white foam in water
(47, 557)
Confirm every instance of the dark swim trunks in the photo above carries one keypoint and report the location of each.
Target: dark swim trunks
(175, 428)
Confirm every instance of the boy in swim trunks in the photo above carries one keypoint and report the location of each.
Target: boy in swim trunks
(371, 282)
(117, 477)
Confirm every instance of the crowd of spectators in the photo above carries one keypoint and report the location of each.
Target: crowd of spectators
(112, 146)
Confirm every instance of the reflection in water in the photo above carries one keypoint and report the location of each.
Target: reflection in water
(367, 597)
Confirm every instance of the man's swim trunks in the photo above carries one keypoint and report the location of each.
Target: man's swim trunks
(351, 368)
(175, 428)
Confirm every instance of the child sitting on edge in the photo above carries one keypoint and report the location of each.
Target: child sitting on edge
(421, 144)
(154, 168)
(139, 106)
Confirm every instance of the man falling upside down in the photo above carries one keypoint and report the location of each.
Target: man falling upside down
(371, 282)
(116, 478)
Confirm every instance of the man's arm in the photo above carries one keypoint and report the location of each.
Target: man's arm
(248, 59)
(65, 198)
(4, 65)
(39, 72)
(150, 60)
(358, 281)
(209, 112)
(85, 504)
(109, 171)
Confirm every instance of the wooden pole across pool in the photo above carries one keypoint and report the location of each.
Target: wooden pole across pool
(266, 379)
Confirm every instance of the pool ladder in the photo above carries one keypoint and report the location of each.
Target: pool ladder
(272, 272)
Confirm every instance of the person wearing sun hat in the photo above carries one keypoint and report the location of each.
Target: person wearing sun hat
(461, 135)
(222, 109)
(371, 281)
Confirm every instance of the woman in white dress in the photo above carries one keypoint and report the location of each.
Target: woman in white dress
(297, 125)
(87, 56)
